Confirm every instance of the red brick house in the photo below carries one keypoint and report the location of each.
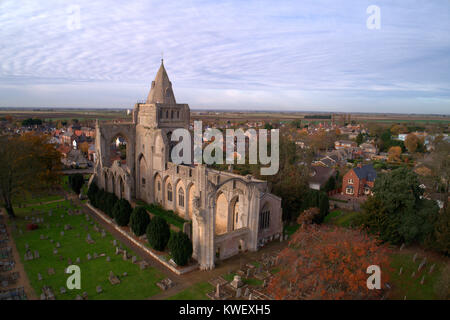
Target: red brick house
(359, 181)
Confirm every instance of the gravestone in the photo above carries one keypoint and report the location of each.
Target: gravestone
(238, 292)
(422, 264)
(58, 245)
(246, 292)
(217, 294)
(39, 276)
(125, 256)
(113, 279)
(95, 255)
(99, 289)
(117, 250)
(237, 282)
(108, 259)
(250, 297)
(78, 260)
(62, 233)
(36, 254)
(51, 271)
(125, 274)
(62, 290)
(423, 279)
(431, 268)
(55, 251)
(415, 257)
(89, 256)
(134, 259)
(69, 261)
(401, 270)
(115, 243)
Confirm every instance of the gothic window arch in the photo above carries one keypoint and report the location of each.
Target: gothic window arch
(169, 192)
(181, 197)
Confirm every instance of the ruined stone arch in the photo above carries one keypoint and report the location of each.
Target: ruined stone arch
(115, 153)
(221, 213)
(142, 183)
(264, 216)
(168, 193)
(158, 188)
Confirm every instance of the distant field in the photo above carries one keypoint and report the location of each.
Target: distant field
(67, 115)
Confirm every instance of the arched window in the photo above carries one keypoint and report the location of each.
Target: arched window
(181, 197)
(171, 114)
(264, 217)
(159, 186)
(169, 192)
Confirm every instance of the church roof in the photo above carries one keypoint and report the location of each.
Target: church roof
(161, 90)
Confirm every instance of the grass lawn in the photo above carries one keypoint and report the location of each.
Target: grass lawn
(290, 229)
(169, 216)
(138, 284)
(405, 285)
(196, 292)
(341, 218)
(36, 200)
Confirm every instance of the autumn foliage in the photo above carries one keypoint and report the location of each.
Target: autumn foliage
(323, 262)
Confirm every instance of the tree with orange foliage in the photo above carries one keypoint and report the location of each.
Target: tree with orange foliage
(323, 262)
(27, 162)
(307, 217)
(411, 142)
(84, 147)
(394, 154)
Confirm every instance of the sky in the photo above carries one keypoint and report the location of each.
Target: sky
(303, 55)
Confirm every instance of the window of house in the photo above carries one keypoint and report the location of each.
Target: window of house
(180, 197)
(366, 190)
(350, 181)
(349, 190)
(169, 192)
(143, 181)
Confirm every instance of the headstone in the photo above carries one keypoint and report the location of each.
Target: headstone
(246, 292)
(62, 290)
(78, 260)
(85, 295)
(36, 254)
(250, 297)
(402, 246)
(115, 243)
(264, 283)
(237, 282)
(108, 259)
(125, 256)
(415, 257)
(422, 264)
(39, 276)
(55, 251)
(99, 289)
(58, 245)
(95, 255)
(69, 261)
(62, 233)
(217, 294)
(51, 271)
(89, 256)
(249, 272)
(143, 265)
(27, 246)
(238, 292)
(431, 268)
(134, 259)
(423, 279)
(42, 237)
(413, 274)
(125, 274)
(117, 250)
(401, 270)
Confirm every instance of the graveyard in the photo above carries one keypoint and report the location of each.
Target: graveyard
(64, 236)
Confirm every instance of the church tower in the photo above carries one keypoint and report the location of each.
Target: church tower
(161, 109)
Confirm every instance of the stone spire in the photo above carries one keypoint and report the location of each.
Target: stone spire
(161, 90)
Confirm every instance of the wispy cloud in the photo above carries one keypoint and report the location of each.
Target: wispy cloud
(253, 54)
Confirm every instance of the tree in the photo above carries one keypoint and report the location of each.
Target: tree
(323, 262)
(330, 185)
(180, 247)
(28, 162)
(324, 208)
(110, 201)
(442, 232)
(121, 212)
(411, 142)
(398, 212)
(76, 182)
(359, 138)
(308, 216)
(158, 233)
(92, 192)
(394, 154)
(399, 128)
(139, 220)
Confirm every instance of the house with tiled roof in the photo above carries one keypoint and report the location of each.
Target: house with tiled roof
(359, 181)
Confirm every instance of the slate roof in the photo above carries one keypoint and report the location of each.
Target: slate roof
(366, 172)
(161, 90)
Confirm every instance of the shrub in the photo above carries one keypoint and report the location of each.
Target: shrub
(324, 207)
(308, 216)
(92, 192)
(121, 212)
(110, 201)
(180, 247)
(139, 220)
(158, 233)
(100, 199)
(76, 182)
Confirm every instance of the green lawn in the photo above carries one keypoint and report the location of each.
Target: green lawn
(342, 218)
(169, 216)
(405, 285)
(139, 284)
(196, 292)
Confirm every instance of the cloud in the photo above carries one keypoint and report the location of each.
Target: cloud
(288, 54)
